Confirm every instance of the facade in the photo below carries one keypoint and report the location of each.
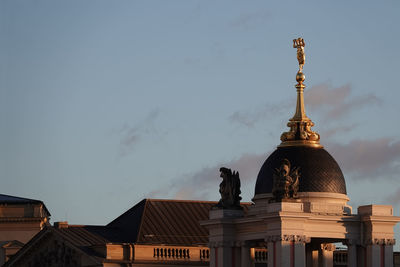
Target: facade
(152, 233)
(20, 220)
(300, 208)
(299, 212)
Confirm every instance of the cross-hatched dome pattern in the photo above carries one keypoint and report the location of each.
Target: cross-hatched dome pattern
(319, 172)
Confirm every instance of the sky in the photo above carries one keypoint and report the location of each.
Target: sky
(104, 103)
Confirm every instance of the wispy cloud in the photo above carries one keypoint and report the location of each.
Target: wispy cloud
(363, 159)
(329, 132)
(393, 198)
(336, 102)
(323, 99)
(247, 20)
(368, 159)
(131, 135)
(197, 185)
(250, 118)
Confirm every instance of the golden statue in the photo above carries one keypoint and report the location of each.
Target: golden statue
(301, 56)
(300, 133)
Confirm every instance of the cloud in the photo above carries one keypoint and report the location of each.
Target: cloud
(327, 133)
(251, 118)
(363, 159)
(334, 103)
(393, 198)
(323, 99)
(247, 20)
(131, 135)
(368, 159)
(197, 185)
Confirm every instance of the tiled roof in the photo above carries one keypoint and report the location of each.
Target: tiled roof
(13, 199)
(155, 221)
(6, 199)
(151, 221)
(174, 222)
(82, 235)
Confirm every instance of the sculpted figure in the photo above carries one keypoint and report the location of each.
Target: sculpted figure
(229, 189)
(301, 56)
(286, 181)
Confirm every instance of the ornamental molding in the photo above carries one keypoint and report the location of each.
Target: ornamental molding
(380, 241)
(294, 238)
(328, 246)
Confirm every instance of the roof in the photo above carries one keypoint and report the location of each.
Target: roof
(157, 221)
(79, 237)
(151, 221)
(11, 244)
(319, 172)
(7, 199)
(13, 199)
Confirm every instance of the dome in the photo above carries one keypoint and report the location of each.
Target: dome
(319, 172)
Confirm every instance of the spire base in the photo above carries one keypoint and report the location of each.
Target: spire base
(300, 133)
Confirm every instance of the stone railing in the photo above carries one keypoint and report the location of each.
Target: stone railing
(260, 255)
(204, 254)
(340, 258)
(171, 253)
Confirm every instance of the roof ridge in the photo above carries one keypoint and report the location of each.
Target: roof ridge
(19, 198)
(139, 229)
(180, 200)
(187, 201)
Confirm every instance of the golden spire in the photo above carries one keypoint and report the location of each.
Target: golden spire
(300, 133)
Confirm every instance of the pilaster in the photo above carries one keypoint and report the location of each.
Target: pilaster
(326, 255)
(351, 252)
(245, 254)
(379, 252)
(287, 250)
(225, 250)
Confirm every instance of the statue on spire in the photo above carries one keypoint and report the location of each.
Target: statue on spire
(300, 133)
(301, 56)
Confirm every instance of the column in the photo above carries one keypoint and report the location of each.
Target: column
(351, 252)
(300, 252)
(379, 252)
(271, 253)
(287, 251)
(213, 255)
(221, 254)
(224, 255)
(326, 255)
(222, 238)
(283, 253)
(389, 252)
(373, 253)
(245, 255)
(309, 256)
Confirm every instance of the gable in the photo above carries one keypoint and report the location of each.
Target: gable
(49, 248)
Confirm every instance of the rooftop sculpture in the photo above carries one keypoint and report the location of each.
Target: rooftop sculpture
(229, 189)
(286, 181)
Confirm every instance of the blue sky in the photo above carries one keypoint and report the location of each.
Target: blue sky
(103, 103)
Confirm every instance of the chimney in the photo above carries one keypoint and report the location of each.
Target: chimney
(61, 225)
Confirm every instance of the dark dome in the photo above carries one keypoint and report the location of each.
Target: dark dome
(319, 172)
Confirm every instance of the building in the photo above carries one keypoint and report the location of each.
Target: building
(300, 208)
(300, 212)
(152, 233)
(20, 220)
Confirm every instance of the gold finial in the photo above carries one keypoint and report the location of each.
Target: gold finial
(300, 133)
(301, 56)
